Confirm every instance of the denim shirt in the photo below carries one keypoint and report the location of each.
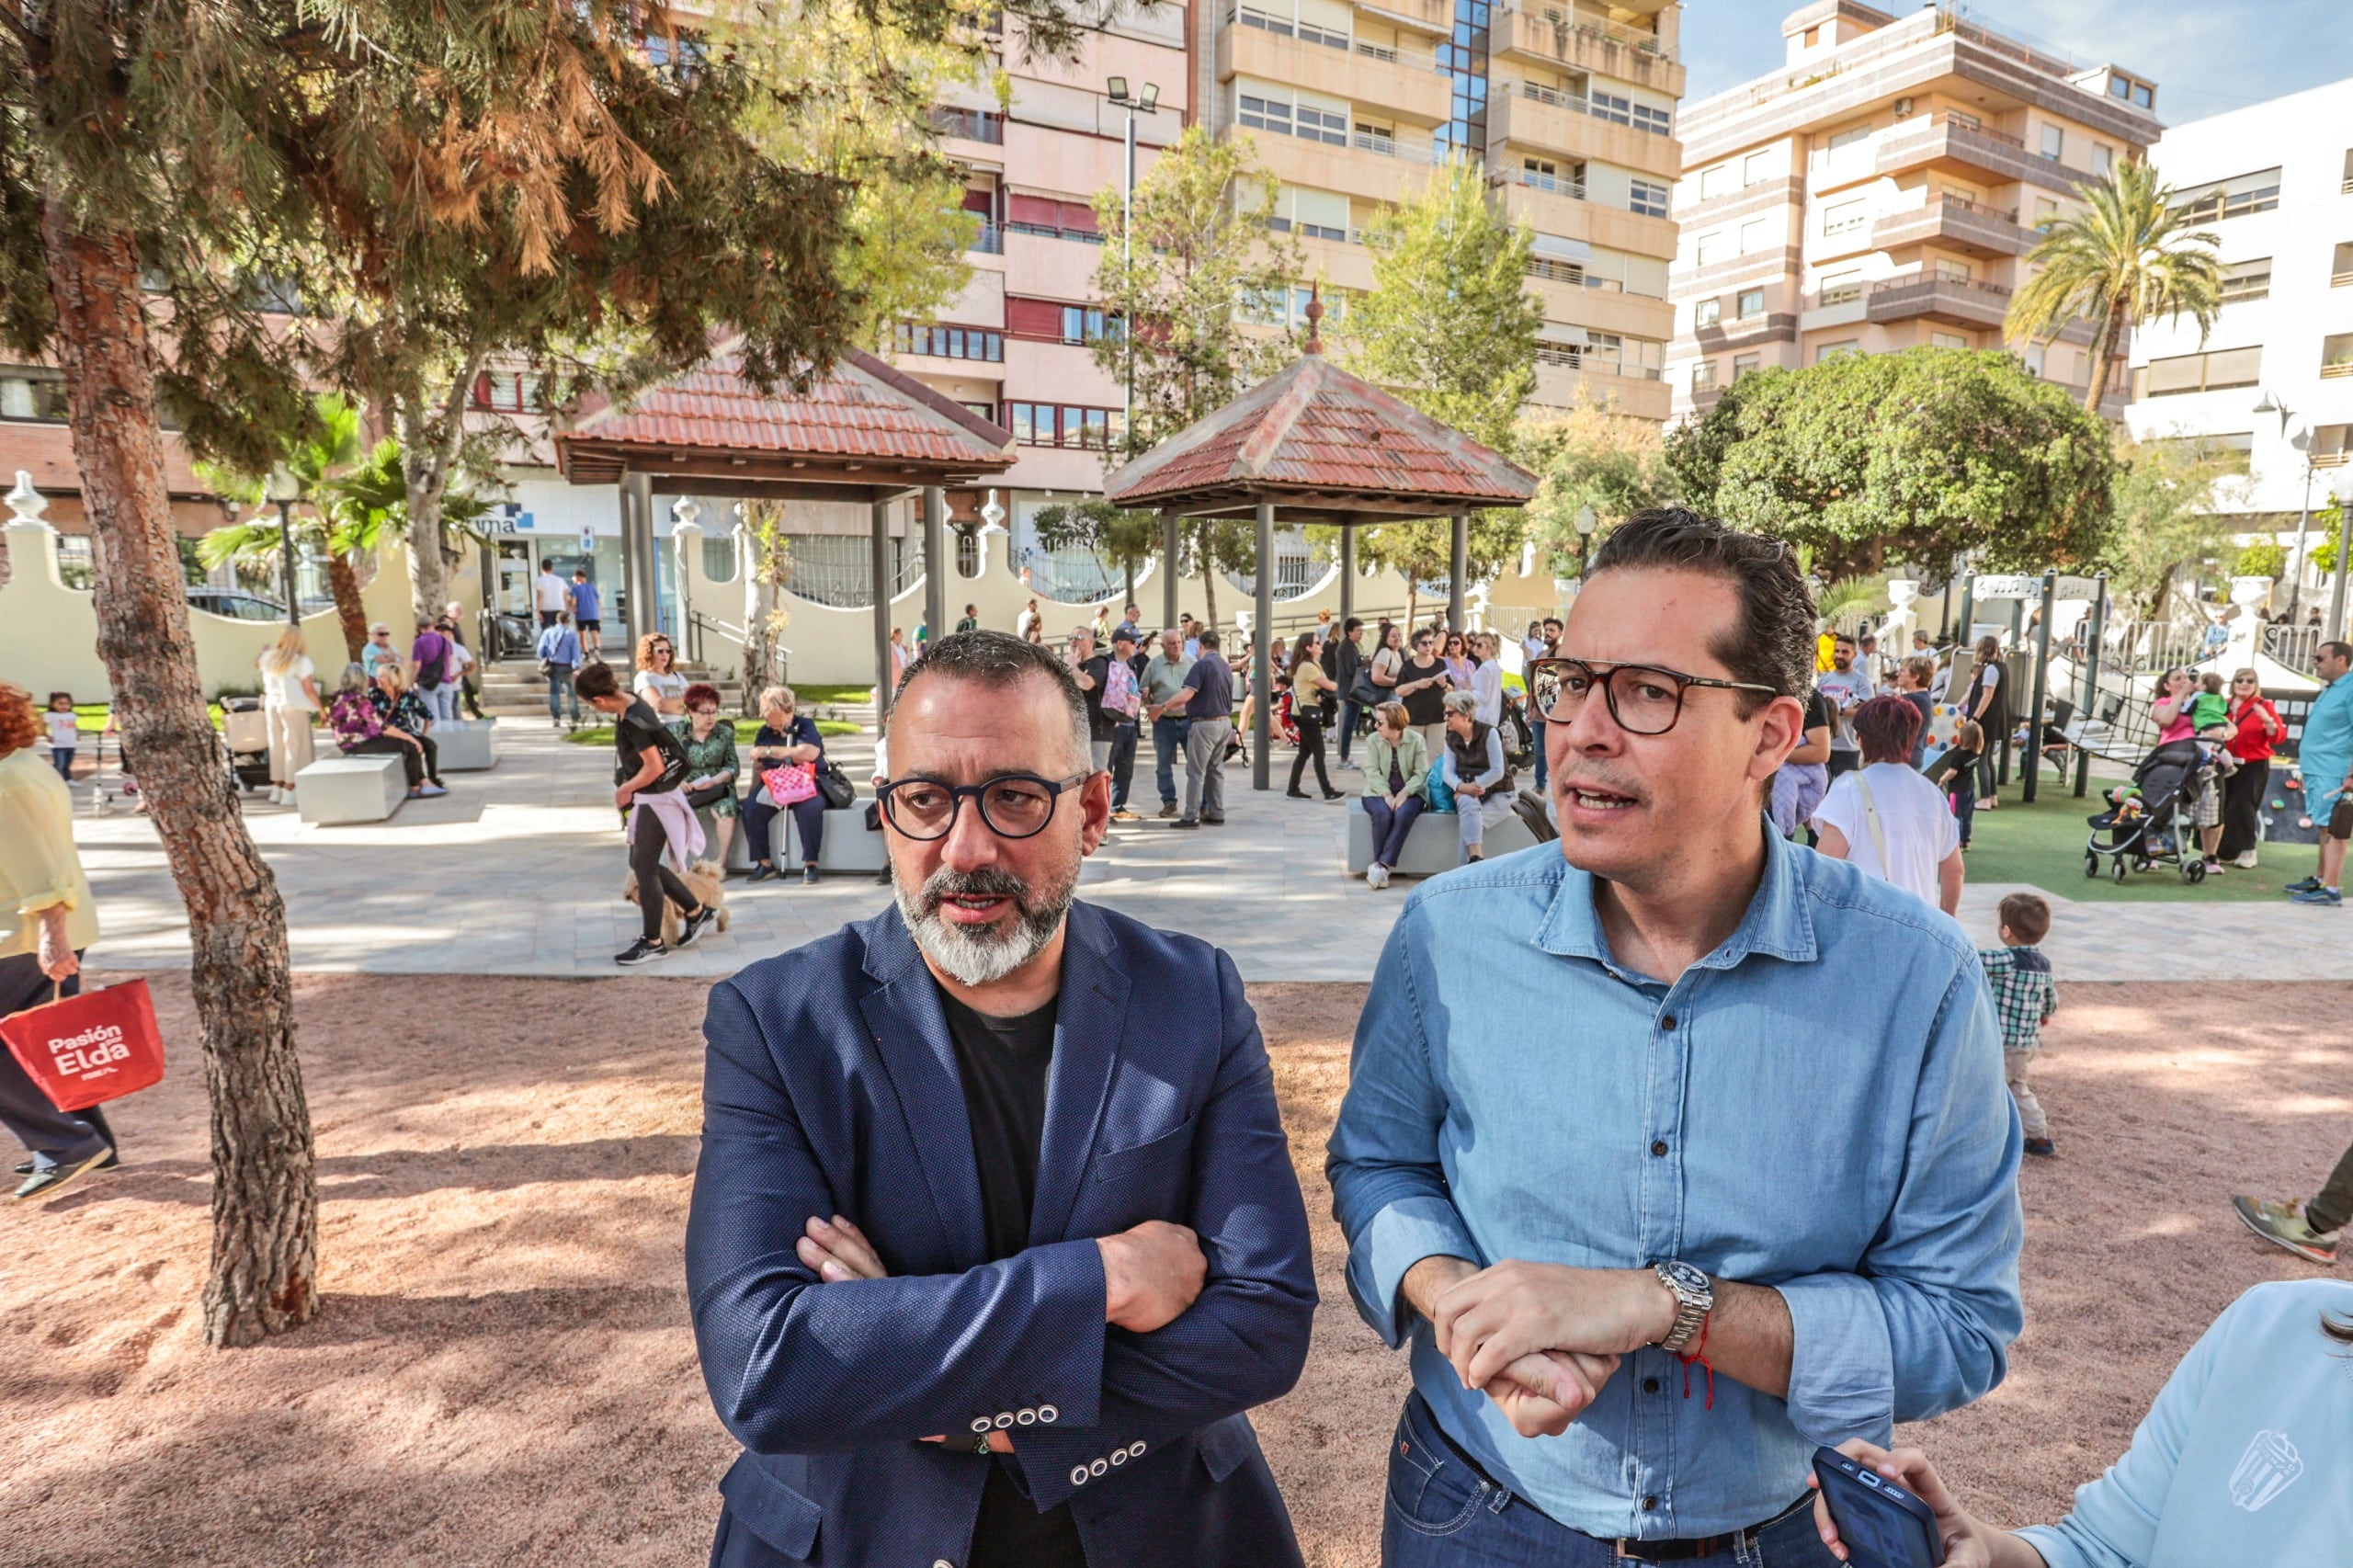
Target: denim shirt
(1816, 1105)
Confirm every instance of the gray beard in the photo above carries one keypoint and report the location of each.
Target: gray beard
(983, 955)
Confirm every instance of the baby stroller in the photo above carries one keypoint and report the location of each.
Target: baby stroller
(245, 731)
(2147, 821)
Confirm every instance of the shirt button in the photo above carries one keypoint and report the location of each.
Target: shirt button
(1650, 1385)
(1667, 1022)
(1658, 1146)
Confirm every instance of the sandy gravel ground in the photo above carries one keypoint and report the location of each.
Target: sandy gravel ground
(502, 1372)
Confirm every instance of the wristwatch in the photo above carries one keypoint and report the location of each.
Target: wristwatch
(1695, 1298)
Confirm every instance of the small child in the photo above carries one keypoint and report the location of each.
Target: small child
(2210, 709)
(63, 735)
(1955, 770)
(2024, 999)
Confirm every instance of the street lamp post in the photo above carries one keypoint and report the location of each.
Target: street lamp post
(2302, 443)
(284, 490)
(2344, 546)
(686, 532)
(1147, 100)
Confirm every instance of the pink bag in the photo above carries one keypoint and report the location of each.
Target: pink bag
(793, 781)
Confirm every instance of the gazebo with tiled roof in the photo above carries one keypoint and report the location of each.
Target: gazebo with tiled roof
(1313, 444)
(863, 431)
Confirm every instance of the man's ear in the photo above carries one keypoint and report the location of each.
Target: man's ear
(1781, 732)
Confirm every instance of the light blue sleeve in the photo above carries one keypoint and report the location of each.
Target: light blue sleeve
(2114, 1523)
(1925, 1322)
(1446, 768)
(1388, 1187)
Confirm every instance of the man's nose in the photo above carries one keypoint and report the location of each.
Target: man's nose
(971, 843)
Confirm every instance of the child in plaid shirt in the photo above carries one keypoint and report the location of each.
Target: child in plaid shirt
(2024, 1000)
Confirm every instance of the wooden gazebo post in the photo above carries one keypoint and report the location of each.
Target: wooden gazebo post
(1313, 443)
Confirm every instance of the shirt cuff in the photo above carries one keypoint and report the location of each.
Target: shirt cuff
(46, 898)
(1842, 1365)
(1400, 1237)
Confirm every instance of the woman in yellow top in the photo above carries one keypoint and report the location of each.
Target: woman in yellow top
(1310, 687)
(46, 921)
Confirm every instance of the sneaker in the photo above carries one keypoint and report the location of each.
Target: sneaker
(2042, 1147)
(427, 792)
(2213, 867)
(1335, 794)
(641, 951)
(1186, 822)
(694, 925)
(2325, 898)
(51, 1179)
(2302, 884)
(1296, 795)
(1376, 875)
(25, 1167)
(2246, 862)
(2284, 1225)
(808, 876)
(1123, 814)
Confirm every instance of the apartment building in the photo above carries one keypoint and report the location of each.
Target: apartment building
(2273, 183)
(1880, 191)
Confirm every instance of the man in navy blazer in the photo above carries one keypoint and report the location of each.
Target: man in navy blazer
(995, 1233)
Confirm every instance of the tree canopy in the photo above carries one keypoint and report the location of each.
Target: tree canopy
(1591, 457)
(2165, 517)
(1922, 457)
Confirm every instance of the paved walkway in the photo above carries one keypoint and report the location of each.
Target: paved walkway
(518, 871)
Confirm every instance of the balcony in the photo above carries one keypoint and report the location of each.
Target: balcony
(1565, 124)
(1960, 144)
(1406, 82)
(1957, 224)
(988, 241)
(969, 124)
(1552, 185)
(1412, 149)
(1958, 302)
(1605, 48)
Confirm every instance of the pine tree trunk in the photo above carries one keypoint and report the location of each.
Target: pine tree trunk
(425, 482)
(343, 583)
(264, 1192)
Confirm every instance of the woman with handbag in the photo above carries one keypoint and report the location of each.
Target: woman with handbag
(1311, 695)
(46, 921)
(787, 757)
(711, 767)
(650, 764)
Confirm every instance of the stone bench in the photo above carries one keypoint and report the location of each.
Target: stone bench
(848, 846)
(337, 789)
(1433, 845)
(467, 745)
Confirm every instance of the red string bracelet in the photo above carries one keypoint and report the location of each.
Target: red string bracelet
(1699, 1354)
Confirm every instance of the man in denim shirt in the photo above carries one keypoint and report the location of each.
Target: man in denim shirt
(1678, 1150)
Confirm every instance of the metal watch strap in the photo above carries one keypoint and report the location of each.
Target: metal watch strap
(1691, 1312)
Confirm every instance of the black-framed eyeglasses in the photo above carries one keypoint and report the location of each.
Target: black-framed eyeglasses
(1013, 805)
(1643, 699)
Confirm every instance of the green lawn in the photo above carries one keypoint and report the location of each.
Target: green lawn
(809, 695)
(2043, 844)
(745, 731)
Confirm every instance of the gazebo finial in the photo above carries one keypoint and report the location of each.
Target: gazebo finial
(1316, 317)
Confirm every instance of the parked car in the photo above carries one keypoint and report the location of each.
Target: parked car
(234, 603)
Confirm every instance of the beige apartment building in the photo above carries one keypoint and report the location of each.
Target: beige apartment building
(1880, 192)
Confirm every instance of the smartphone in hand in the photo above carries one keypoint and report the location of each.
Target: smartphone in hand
(1882, 1524)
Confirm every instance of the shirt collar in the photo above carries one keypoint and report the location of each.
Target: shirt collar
(1777, 924)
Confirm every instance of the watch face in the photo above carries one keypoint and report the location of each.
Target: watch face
(1691, 1280)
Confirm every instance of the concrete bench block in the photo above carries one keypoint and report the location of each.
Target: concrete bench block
(847, 845)
(337, 789)
(1434, 843)
(739, 844)
(467, 745)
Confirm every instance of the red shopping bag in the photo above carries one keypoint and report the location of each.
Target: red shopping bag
(84, 1049)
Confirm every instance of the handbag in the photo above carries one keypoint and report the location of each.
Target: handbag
(793, 781)
(709, 795)
(85, 1050)
(835, 785)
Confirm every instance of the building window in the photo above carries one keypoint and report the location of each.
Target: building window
(507, 391)
(2139, 93)
(1833, 350)
(2103, 159)
(1065, 424)
(2046, 212)
(1707, 313)
(1260, 114)
(76, 569)
(1842, 287)
(1849, 136)
(1714, 182)
(1751, 302)
(940, 342)
(2210, 371)
(1649, 198)
(1264, 110)
(2340, 267)
(1081, 324)
(27, 393)
(1951, 271)
(1755, 169)
(2054, 142)
(1946, 340)
(1813, 36)
(1708, 248)
(1744, 364)
(2233, 197)
(719, 558)
(2245, 282)
(968, 554)
(971, 124)
(1703, 375)
(1844, 218)
(2336, 357)
(1757, 234)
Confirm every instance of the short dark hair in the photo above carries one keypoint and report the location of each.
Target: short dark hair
(1885, 728)
(596, 679)
(1847, 639)
(2337, 650)
(999, 661)
(1208, 637)
(2027, 916)
(1353, 625)
(1772, 642)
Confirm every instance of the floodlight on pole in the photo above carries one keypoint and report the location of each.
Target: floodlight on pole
(1116, 89)
(282, 488)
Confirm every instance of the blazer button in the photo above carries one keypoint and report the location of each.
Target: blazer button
(1078, 1475)
(1135, 1450)
(1024, 1417)
(1048, 1415)
(981, 1423)
(1004, 1419)
(942, 1563)
(1098, 1466)
(1119, 1458)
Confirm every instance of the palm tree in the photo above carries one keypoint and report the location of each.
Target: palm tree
(314, 459)
(2122, 262)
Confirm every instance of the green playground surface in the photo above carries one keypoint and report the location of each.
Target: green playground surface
(2042, 844)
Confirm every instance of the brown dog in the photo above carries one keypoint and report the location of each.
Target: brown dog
(709, 885)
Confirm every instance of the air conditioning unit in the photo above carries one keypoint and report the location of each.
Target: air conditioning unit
(1903, 108)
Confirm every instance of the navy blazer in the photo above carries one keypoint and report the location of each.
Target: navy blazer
(831, 1086)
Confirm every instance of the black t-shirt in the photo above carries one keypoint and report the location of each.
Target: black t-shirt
(639, 727)
(1427, 706)
(1100, 726)
(1003, 1064)
(1821, 713)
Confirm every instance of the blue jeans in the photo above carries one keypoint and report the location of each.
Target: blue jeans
(1964, 802)
(1442, 1513)
(1544, 768)
(560, 691)
(62, 758)
(1123, 763)
(1390, 827)
(1348, 712)
(1168, 747)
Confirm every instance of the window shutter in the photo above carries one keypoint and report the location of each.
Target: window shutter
(1079, 217)
(1033, 318)
(1038, 210)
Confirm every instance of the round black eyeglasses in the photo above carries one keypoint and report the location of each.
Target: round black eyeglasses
(1643, 699)
(1012, 805)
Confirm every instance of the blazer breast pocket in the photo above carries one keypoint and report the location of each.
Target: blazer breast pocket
(1135, 1161)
